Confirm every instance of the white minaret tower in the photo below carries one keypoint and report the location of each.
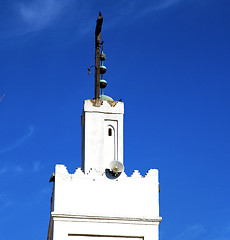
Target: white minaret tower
(99, 201)
(102, 135)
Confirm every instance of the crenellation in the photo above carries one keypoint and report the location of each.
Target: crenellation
(93, 173)
(99, 196)
(136, 174)
(79, 172)
(61, 170)
(152, 173)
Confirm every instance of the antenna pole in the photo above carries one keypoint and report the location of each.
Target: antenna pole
(97, 55)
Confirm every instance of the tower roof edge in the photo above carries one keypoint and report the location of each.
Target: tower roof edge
(104, 106)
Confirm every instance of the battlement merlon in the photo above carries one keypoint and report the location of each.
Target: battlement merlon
(93, 194)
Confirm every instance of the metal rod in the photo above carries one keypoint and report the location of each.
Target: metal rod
(97, 55)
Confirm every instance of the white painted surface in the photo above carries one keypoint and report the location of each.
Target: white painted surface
(94, 205)
(68, 229)
(95, 237)
(99, 149)
(95, 195)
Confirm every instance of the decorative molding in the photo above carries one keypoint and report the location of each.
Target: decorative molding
(88, 218)
(96, 102)
(112, 103)
(92, 105)
(61, 170)
(107, 236)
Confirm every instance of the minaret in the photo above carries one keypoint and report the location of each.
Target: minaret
(102, 119)
(102, 135)
(99, 201)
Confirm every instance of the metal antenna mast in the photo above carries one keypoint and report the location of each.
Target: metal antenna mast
(97, 55)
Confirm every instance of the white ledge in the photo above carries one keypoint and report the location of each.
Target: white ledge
(105, 107)
(94, 174)
(87, 218)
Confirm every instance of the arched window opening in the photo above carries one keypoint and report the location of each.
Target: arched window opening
(110, 131)
(110, 140)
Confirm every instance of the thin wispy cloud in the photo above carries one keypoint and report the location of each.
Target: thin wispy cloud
(126, 12)
(222, 234)
(18, 169)
(137, 7)
(191, 233)
(3, 170)
(162, 4)
(32, 17)
(40, 14)
(36, 166)
(196, 232)
(19, 141)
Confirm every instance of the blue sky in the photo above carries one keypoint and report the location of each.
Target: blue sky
(169, 62)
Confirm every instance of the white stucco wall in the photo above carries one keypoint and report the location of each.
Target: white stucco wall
(92, 204)
(87, 229)
(99, 149)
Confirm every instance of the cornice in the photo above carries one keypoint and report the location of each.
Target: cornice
(122, 220)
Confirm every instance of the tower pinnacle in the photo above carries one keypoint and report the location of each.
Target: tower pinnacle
(97, 55)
